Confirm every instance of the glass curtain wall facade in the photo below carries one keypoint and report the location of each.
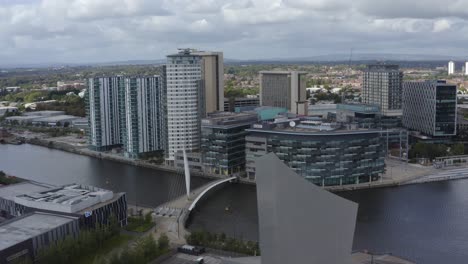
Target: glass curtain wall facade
(324, 159)
(223, 142)
(430, 107)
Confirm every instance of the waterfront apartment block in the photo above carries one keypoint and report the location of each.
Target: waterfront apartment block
(223, 142)
(195, 87)
(285, 89)
(102, 101)
(142, 115)
(324, 153)
(128, 112)
(430, 107)
(382, 86)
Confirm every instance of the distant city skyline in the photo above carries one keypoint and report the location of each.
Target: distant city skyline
(90, 31)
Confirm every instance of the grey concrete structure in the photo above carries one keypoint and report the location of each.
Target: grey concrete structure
(382, 86)
(23, 237)
(91, 204)
(284, 89)
(430, 107)
(300, 222)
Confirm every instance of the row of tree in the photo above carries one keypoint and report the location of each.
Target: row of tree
(145, 250)
(431, 151)
(71, 249)
(5, 179)
(220, 241)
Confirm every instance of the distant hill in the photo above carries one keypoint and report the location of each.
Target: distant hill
(339, 57)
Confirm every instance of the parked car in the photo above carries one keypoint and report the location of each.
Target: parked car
(191, 250)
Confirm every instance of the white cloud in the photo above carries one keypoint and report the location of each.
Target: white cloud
(441, 25)
(106, 30)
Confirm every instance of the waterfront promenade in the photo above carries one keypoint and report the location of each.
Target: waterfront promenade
(397, 172)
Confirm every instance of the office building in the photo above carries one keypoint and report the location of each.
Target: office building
(213, 80)
(223, 142)
(430, 107)
(382, 86)
(90, 204)
(240, 104)
(194, 87)
(324, 153)
(102, 101)
(285, 89)
(466, 68)
(142, 115)
(22, 238)
(451, 68)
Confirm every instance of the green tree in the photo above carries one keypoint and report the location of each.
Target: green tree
(163, 242)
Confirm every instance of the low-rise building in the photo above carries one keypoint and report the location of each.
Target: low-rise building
(23, 237)
(45, 113)
(7, 109)
(239, 103)
(223, 142)
(324, 153)
(91, 204)
(56, 120)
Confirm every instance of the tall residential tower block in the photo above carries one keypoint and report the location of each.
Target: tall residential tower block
(128, 112)
(195, 87)
(382, 86)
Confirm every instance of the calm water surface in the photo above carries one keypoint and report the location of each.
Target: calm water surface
(143, 186)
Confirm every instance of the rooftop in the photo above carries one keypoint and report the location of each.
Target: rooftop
(69, 198)
(10, 191)
(229, 118)
(56, 118)
(282, 72)
(28, 226)
(44, 113)
(304, 125)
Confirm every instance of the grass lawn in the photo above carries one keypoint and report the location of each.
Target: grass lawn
(111, 244)
(136, 224)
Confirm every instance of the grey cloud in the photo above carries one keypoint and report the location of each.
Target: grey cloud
(108, 30)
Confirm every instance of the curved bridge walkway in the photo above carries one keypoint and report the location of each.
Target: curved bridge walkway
(171, 216)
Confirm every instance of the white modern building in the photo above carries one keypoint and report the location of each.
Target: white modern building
(194, 88)
(466, 68)
(142, 115)
(102, 101)
(451, 67)
(286, 89)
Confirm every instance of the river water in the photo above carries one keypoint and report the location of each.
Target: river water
(144, 187)
(426, 223)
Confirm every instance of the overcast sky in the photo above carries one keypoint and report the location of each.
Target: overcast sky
(38, 31)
